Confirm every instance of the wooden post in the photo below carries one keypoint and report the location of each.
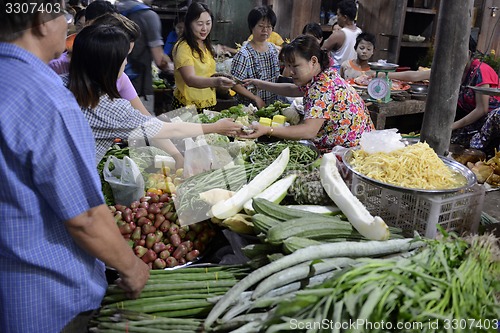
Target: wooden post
(450, 58)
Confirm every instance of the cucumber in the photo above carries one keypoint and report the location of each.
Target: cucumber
(274, 193)
(292, 244)
(282, 213)
(312, 228)
(262, 223)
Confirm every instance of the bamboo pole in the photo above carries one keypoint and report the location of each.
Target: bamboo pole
(450, 58)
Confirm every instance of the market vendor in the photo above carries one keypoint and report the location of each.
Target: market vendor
(477, 117)
(99, 58)
(334, 112)
(195, 63)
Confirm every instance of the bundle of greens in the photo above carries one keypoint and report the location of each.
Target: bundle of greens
(449, 286)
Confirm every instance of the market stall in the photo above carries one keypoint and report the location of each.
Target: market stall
(286, 237)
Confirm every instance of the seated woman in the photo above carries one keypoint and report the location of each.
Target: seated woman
(194, 62)
(365, 45)
(477, 116)
(99, 58)
(257, 59)
(334, 112)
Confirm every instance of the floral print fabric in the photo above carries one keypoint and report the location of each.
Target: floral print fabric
(331, 98)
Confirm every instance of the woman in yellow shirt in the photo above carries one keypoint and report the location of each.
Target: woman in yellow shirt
(194, 62)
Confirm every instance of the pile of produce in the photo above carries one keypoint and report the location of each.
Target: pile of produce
(172, 301)
(264, 288)
(448, 286)
(487, 171)
(301, 154)
(414, 166)
(152, 229)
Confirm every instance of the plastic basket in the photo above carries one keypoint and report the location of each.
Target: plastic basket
(459, 212)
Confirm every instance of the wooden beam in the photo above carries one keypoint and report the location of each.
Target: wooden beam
(450, 58)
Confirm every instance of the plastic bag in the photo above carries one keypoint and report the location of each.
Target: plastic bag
(125, 180)
(381, 141)
(197, 157)
(200, 156)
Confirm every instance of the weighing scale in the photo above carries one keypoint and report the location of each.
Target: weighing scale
(379, 88)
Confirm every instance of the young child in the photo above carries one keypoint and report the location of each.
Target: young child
(365, 45)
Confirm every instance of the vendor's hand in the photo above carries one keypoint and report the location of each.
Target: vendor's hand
(228, 127)
(134, 279)
(259, 130)
(247, 83)
(224, 82)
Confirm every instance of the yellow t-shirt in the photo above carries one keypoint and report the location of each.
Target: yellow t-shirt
(183, 56)
(274, 38)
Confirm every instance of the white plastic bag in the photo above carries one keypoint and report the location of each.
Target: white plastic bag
(125, 180)
(197, 157)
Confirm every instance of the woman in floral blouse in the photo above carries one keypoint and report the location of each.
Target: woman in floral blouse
(334, 113)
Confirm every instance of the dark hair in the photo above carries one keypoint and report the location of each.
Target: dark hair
(179, 18)
(98, 53)
(259, 13)
(472, 44)
(98, 8)
(79, 14)
(305, 46)
(314, 29)
(118, 20)
(14, 24)
(194, 12)
(348, 8)
(367, 37)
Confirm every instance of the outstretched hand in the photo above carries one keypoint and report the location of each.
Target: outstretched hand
(228, 127)
(259, 130)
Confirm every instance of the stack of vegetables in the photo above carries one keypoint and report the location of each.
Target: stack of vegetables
(447, 285)
(172, 301)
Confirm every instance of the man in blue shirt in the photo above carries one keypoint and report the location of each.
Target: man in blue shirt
(56, 232)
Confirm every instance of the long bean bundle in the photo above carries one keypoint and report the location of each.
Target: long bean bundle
(451, 283)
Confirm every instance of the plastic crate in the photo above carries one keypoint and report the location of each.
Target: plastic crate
(459, 211)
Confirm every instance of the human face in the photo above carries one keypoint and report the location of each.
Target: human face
(262, 30)
(341, 19)
(57, 29)
(202, 26)
(179, 28)
(364, 50)
(303, 70)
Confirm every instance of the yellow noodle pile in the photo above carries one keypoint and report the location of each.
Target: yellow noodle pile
(415, 166)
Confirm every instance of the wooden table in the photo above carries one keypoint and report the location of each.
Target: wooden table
(379, 112)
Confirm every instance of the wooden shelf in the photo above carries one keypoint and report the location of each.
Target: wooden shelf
(414, 44)
(421, 10)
